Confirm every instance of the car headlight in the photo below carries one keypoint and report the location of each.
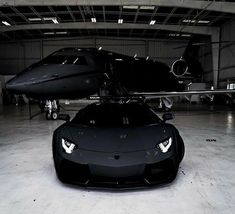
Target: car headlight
(165, 145)
(68, 146)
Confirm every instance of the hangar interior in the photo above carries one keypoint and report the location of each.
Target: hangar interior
(156, 29)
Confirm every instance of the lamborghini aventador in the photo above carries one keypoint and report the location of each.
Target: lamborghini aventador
(117, 146)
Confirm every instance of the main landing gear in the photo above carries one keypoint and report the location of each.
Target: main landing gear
(52, 109)
(165, 104)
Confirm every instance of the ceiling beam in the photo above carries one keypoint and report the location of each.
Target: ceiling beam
(227, 7)
(20, 14)
(7, 18)
(107, 12)
(165, 21)
(104, 16)
(23, 17)
(135, 19)
(53, 12)
(151, 18)
(89, 26)
(82, 13)
(169, 15)
(186, 16)
(71, 13)
(39, 16)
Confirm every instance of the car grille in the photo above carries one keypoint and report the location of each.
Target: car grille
(153, 174)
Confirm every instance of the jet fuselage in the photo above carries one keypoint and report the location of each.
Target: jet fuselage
(76, 73)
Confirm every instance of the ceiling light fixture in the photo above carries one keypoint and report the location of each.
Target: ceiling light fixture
(120, 21)
(57, 33)
(178, 35)
(48, 33)
(174, 34)
(93, 20)
(61, 32)
(6, 23)
(152, 22)
(55, 20)
(34, 19)
(132, 7)
(196, 21)
(48, 18)
(147, 7)
(203, 21)
(189, 21)
(186, 35)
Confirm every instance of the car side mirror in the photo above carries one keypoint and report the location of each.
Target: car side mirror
(64, 117)
(167, 116)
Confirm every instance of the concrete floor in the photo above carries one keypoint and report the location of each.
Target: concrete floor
(205, 182)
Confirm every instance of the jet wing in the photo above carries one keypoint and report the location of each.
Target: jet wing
(152, 95)
(162, 94)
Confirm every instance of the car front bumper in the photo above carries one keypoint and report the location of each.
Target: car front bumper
(119, 176)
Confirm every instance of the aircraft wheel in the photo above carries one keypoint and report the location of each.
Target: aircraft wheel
(54, 115)
(48, 115)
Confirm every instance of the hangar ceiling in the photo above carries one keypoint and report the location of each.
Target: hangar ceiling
(152, 19)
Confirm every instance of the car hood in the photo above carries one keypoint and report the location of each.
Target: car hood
(117, 139)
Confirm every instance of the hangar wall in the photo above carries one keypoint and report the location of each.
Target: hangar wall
(205, 58)
(226, 59)
(227, 54)
(15, 56)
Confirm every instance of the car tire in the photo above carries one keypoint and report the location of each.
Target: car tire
(181, 149)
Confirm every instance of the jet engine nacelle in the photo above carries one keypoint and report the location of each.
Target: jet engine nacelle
(179, 67)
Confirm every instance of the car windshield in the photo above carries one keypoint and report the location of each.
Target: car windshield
(116, 115)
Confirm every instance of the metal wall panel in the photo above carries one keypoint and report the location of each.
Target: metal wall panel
(227, 56)
(205, 58)
(49, 46)
(126, 47)
(165, 51)
(15, 56)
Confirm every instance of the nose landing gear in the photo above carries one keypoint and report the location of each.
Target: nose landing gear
(52, 109)
(165, 104)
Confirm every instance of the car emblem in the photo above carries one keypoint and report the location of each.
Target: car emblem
(116, 157)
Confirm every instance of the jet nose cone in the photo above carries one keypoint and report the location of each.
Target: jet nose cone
(13, 86)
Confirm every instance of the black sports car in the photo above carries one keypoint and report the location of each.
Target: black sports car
(118, 146)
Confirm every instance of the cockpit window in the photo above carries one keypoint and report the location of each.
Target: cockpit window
(114, 115)
(77, 60)
(53, 60)
(64, 59)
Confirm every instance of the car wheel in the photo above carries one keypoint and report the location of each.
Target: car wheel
(181, 149)
(56, 158)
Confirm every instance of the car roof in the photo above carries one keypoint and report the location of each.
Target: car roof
(126, 106)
